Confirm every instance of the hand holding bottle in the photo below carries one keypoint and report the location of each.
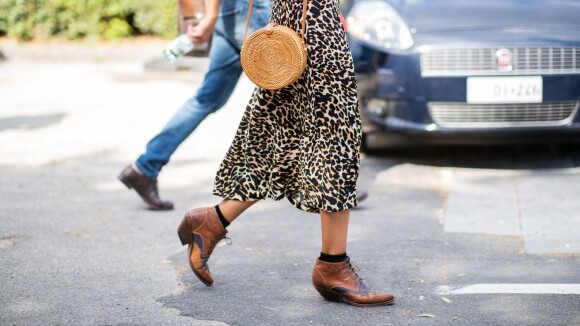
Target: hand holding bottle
(201, 32)
(197, 35)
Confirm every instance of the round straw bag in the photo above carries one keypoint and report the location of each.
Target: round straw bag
(274, 57)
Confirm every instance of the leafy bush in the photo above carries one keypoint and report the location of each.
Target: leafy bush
(77, 19)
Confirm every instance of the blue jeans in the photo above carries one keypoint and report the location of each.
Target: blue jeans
(218, 84)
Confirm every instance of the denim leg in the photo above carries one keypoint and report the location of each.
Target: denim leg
(218, 85)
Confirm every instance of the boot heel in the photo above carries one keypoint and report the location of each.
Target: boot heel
(329, 295)
(125, 182)
(184, 231)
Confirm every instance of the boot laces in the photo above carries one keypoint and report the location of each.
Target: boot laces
(227, 240)
(354, 268)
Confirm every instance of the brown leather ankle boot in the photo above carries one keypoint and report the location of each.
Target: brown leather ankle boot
(202, 230)
(339, 282)
(145, 187)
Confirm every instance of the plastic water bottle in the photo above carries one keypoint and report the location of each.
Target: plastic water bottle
(177, 48)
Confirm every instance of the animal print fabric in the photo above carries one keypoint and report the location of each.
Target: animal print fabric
(302, 141)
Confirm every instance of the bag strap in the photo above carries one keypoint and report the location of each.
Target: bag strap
(303, 20)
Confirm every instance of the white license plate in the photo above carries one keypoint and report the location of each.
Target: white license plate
(492, 90)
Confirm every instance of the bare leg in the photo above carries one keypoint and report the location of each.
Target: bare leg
(231, 209)
(334, 231)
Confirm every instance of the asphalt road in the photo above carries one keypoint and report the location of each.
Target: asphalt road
(466, 236)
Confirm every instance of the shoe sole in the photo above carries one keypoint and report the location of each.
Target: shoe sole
(184, 231)
(329, 295)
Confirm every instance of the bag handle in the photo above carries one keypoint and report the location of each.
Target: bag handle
(303, 20)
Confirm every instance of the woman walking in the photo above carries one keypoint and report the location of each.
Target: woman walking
(301, 142)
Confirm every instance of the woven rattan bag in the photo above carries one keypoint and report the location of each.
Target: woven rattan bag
(274, 57)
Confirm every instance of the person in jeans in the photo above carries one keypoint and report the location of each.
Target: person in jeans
(227, 22)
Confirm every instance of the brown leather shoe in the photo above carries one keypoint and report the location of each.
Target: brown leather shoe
(339, 282)
(202, 230)
(145, 187)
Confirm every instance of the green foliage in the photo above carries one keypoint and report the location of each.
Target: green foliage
(78, 19)
(157, 18)
(17, 16)
(117, 29)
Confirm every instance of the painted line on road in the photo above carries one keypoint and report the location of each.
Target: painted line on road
(513, 289)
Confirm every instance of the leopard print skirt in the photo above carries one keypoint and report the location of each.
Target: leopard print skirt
(301, 142)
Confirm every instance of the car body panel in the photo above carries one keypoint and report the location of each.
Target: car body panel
(445, 15)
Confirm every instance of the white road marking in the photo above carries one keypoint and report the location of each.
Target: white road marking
(513, 289)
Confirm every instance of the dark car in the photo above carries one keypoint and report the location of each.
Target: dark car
(466, 71)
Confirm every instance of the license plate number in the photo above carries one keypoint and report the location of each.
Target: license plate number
(493, 90)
